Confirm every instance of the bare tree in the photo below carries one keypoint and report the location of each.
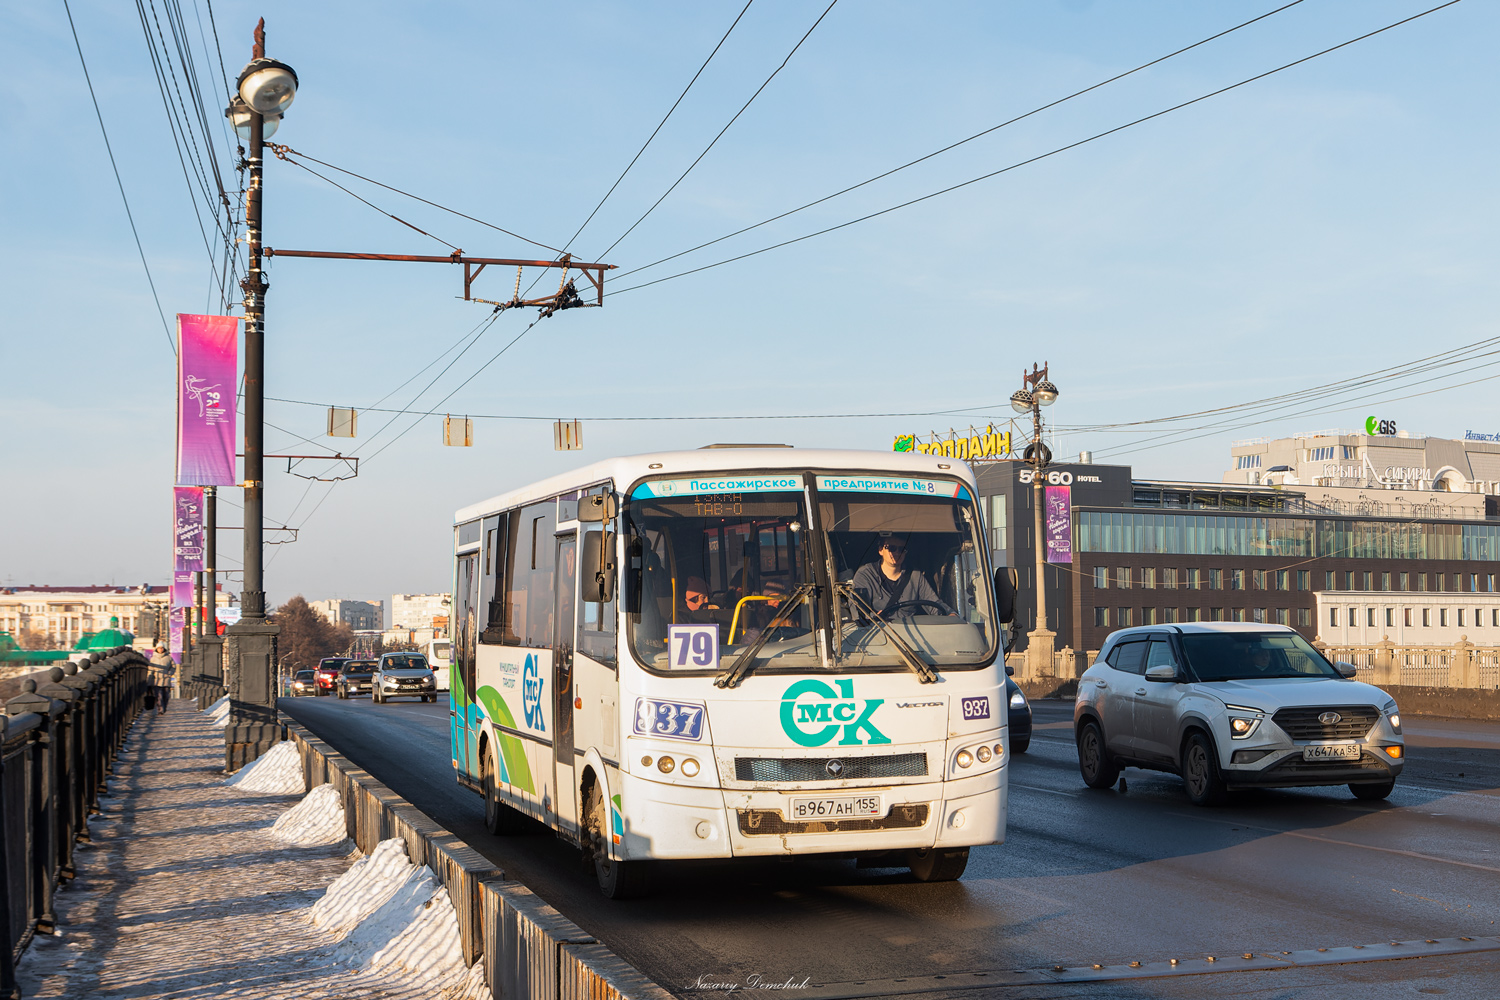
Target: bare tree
(306, 635)
(32, 638)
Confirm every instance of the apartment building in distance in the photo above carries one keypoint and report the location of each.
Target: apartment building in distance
(68, 613)
(358, 615)
(420, 611)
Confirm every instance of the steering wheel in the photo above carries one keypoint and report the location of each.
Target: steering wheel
(943, 609)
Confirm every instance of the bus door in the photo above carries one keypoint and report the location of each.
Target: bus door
(564, 621)
(465, 631)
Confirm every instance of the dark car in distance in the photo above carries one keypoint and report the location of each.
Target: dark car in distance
(304, 682)
(354, 677)
(1018, 715)
(328, 673)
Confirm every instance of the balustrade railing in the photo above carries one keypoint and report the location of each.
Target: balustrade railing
(57, 741)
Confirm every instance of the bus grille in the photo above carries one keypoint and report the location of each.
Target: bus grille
(900, 765)
(770, 822)
(1302, 723)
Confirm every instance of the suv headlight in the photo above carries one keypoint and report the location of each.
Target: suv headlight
(1392, 713)
(1018, 700)
(1243, 721)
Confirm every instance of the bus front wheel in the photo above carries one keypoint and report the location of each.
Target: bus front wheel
(939, 865)
(617, 879)
(499, 818)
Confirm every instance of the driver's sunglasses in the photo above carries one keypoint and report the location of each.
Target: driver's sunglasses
(895, 549)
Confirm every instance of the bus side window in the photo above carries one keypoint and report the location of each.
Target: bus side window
(492, 585)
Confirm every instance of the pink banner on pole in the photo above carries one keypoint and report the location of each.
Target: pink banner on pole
(175, 643)
(187, 528)
(1059, 524)
(182, 589)
(207, 359)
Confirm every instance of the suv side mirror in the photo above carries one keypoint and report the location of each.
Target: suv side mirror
(1161, 672)
(1346, 670)
(1005, 594)
(1010, 671)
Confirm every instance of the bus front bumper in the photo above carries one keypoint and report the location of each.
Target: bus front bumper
(694, 822)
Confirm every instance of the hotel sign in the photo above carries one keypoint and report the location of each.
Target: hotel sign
(988, 444)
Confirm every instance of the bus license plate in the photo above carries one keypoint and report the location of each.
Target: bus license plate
(837, 807)
(1336, 751)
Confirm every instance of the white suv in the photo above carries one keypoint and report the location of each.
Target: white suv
(1230, 706)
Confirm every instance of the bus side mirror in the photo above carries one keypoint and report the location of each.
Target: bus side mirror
(598, 507)
(1005, 594)
(598, 566)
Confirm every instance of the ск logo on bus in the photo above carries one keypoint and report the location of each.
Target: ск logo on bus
(531, 694)
(812, 714)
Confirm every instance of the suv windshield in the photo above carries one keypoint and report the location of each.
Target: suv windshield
(412, 662)
(1244, 656)
(737, 554)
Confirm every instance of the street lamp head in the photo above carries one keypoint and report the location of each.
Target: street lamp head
(239, 113)
(1046, 393)
(1020, 401)
(268, 86)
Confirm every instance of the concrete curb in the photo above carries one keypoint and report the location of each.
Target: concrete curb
(529, 950)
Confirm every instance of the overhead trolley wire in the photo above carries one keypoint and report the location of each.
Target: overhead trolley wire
(661, 123)
(165, 327)
(414, 197)
(1041, 156)
(716, 138)
(955, 145)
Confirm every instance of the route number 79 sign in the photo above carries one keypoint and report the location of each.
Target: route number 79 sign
(693, 647)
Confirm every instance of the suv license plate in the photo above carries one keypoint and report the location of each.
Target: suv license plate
(1336, 751)
(838, 807)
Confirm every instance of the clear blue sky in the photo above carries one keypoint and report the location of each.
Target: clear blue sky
(1325, 222)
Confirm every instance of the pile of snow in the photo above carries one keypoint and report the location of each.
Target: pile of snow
(390, 913)
(278, 772)
(318, 819)
(218, 712)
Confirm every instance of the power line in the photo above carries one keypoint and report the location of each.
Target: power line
(955, 145)
(716, 138)
(165, 328)
(287, 159)
(1034, 159)
(408, 194)
(661, 123)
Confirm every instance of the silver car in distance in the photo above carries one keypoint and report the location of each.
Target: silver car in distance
(403, 675)
(1232, 706)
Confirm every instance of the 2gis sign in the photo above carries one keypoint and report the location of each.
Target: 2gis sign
(1374, 426)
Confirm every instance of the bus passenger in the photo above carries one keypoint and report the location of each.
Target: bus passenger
(887, 584)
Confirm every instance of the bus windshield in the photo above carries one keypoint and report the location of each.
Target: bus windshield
(723, 559)
(902, 557)
(909, 573)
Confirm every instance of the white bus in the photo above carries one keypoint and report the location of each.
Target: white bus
(439, 653)
(734, 652)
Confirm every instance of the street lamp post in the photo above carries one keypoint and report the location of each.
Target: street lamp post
(1035, 393)
(266, 90)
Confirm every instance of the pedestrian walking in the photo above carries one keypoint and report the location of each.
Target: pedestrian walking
(163, 669)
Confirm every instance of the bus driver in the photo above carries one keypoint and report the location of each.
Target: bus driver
(887, 585)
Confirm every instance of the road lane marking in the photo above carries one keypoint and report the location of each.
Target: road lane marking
(1192, 966)
(1049, 791)
(1240, 824)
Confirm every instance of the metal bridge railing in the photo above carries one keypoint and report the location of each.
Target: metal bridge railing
(57, 741)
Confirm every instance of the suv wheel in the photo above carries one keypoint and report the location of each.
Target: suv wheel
(1200, 771)
(1094, 762)
(1375, 791)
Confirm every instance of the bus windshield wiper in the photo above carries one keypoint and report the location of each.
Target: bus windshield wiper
(736, 672)
(909, 656)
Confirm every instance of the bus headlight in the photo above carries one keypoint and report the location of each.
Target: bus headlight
(689, 767)
(965, 759)
(983, 753)
(665, 764)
